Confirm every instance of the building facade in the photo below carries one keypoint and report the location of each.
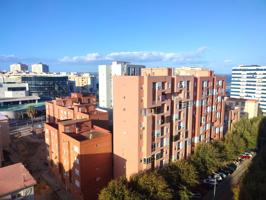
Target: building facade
(46, 86)
(4, 137)
(106, 73)
(249, 82)
(231, 116)
(18, 67)
(16, 183)
(40, 68)
(164, 114)
(79, 145)
(248, 107)
(83, 83)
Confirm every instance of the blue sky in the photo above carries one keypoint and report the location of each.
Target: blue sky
(79, 35)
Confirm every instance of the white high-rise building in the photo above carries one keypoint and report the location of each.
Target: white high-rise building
(249, 82)
(40, 68)
(18, 67)
(106, 73)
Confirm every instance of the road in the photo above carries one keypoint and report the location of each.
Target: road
(223, 191)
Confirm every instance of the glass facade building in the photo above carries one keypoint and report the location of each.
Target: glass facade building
(47, 87)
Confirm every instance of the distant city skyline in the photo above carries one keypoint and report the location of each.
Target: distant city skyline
(70, 36)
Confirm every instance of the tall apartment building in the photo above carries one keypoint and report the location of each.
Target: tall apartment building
(162, 115)
(18, 67)
(79, 147)
(106, 73)
(249, 82)
(40, 68)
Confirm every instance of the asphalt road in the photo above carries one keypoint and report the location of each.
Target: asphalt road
(223, 190)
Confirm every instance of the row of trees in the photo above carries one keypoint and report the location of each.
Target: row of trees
(176, 180)
(253, 185)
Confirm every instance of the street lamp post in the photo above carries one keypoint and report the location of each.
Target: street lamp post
(214, 189)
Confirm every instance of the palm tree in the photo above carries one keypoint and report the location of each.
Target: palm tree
(31, 112)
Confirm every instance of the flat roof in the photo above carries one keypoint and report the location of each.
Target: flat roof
(73, 121)
(2, 100)
(19, 107)
(14, 178)
(3, 117)
(87, 135)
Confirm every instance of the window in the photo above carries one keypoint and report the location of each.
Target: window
(77, 183)
(76, 148)
(77, 172)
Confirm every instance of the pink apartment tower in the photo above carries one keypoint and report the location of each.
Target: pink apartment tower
(163, 114)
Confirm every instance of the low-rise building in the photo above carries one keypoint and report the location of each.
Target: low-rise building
(79, 144)
(16, 183)
(83, 83)
(4, 137)
(45, 86)
(248, 107)
(231, 116)
(15, 95)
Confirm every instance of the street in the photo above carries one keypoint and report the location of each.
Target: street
(223, 190)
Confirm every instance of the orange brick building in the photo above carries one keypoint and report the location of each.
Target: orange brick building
(79, 145)
(163, 114)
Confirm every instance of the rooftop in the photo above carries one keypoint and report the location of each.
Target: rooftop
(14, 178)
(26, 98)
(88, 135)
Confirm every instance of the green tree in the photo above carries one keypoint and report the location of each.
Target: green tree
(205, 159)
(180, 173)
(184, 193)
(31, 112)
(118, 190)
(151, 185)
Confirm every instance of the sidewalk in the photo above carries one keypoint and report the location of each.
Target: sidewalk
(61, 193)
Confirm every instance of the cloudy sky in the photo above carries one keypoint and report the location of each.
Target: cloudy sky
(80, 35)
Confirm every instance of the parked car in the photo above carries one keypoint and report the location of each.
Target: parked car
(225, 171)
(210, 181)
(222, 174)
(248, 154)
(216, 176)
(231, 167)
(195, 196)
(245, 156)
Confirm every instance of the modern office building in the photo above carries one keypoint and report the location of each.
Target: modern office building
(249, 82)
(39, 68)
(4, 137)
(16, 183)
(164, 114)
(248, 107)
(15, 98)
(83, 83)
(18, 67)
(47, 86)
(79, 145)
(106, 73)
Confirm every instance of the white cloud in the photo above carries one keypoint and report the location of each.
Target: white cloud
(8, 58)
(228, 61)
(138, 56)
